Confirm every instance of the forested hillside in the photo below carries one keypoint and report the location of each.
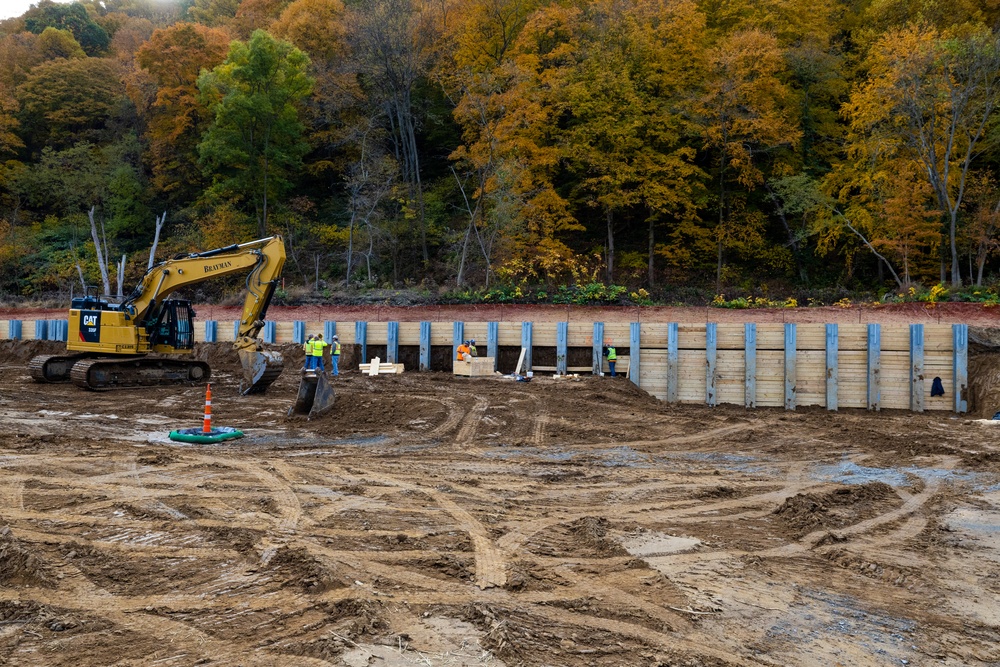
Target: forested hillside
(509, 147)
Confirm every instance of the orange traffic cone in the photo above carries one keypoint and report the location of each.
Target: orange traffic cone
(206, 434)
(207, 426)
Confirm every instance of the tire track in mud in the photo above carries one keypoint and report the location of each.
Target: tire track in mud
(541, 421)
(651, 638)
(11, 495)
(451, 422)
(491, 562)
(471, 421)
(79, 593)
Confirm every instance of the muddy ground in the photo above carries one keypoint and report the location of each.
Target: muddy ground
(442, 521)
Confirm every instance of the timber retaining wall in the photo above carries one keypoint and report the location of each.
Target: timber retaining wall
(872, 366)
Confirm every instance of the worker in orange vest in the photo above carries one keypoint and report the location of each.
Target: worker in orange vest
(464, 352)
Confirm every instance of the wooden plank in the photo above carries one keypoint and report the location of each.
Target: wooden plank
(378, 333)
(711, 391)
(673, 363)
(392, 342)
(832, 349)
(347, 332)
(509, 334)
(634, 344)
(730, 336)
(520, 362)
(874, 398)
(476, 330)
(425, 346)
(730, 376)
(790, 351)
(750, 365)
(917, 367)
(409, 333)
(492, 342)
(597, 346)
(771, 336)
(383, 369)
(960, 385)
(373, 367)
(526, 343)
(562, 338)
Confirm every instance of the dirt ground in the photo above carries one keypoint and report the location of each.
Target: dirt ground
(435, 520)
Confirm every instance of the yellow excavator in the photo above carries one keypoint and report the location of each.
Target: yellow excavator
(111, 345)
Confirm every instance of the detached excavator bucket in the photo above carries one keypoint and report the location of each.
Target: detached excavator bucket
(315, 397)
(260, 369)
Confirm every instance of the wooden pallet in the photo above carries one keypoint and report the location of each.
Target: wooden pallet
(475, 367)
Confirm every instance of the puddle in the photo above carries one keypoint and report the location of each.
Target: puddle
(650, 545)
(441, 641)
(848, 472)
(839, 630)
(981, 528)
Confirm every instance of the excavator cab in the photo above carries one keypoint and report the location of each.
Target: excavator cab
(171, 330)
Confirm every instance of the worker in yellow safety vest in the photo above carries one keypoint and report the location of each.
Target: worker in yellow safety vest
(612, 354)
(307, 347)
(335, 355)
(318, 346)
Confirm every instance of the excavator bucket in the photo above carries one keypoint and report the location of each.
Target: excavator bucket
(315, 397)
(260, 369)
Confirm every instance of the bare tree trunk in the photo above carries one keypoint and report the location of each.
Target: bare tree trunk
(350, 246)
(875, 252)
(101, 263)
(156, 240)
(121, 277)
(79, 269)
(652, 245)
(611, 247)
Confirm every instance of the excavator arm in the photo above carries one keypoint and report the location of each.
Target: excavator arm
(263, 257)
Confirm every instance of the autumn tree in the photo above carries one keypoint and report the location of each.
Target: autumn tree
(931, 97)
(72, 17)
(255, 142)
(744, 114)
(174, 58)
(55, 43)
(65, 101)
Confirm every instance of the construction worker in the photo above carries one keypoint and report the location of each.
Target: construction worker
(335, 355)
(318, 346)
(307, 347)
(464, 352)
(612, 354)
(472, 348)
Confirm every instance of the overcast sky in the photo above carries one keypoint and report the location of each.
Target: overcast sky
(11, 8)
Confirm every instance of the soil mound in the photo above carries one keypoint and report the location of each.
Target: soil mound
(22, 351)
(984, 383)
(301, 569)
(18, 566)
(806, 512)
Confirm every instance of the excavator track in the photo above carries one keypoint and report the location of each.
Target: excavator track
(107, 374)
(54, 367)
